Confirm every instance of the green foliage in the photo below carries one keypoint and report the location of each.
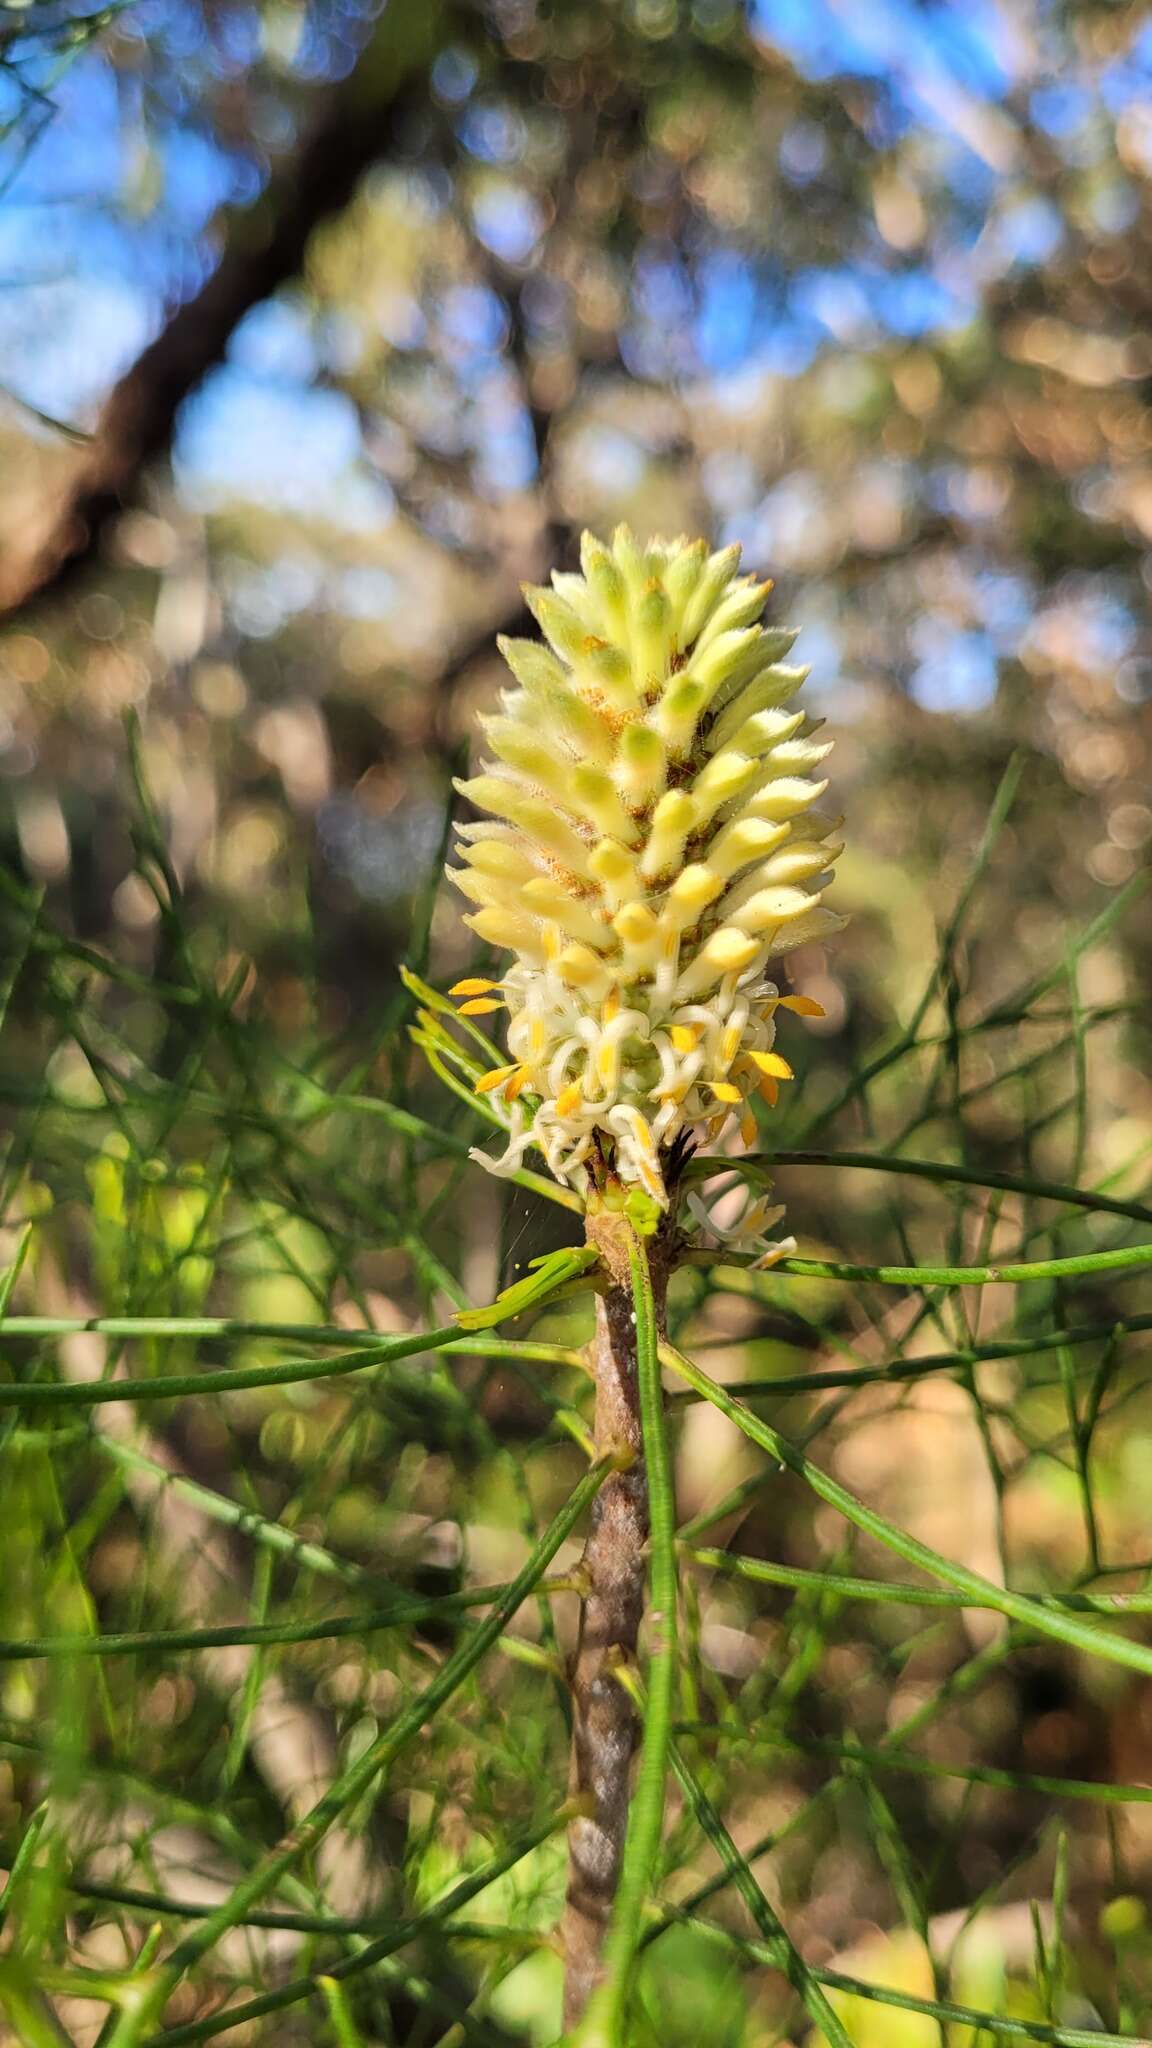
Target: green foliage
(546, 1274)
(224, 1483)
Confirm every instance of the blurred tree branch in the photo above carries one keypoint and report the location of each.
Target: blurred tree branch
(265, 247)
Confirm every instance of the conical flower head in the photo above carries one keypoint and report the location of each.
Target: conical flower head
(652, 843)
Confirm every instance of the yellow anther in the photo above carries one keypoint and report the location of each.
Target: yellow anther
(772, 1064)
(685, 1037)
(569, 1099)
(749, 1128)
(803, 1006)
(496, 1078)
(770, 1090)
(480, 1006)
(475, 985)
(725, 1091)
(514, 1084)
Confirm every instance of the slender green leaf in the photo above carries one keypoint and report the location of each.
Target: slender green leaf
(1043, 1621)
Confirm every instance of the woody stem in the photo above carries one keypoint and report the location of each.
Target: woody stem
(605, 1725)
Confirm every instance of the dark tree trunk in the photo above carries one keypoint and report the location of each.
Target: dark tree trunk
(265, 247)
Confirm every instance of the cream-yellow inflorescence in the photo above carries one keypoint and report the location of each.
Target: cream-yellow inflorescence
(653, 843)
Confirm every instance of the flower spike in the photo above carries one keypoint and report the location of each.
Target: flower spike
(655, 846)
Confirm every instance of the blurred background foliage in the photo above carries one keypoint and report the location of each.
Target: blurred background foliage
(322, 327)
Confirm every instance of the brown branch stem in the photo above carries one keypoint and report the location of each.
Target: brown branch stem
(613, 1569)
